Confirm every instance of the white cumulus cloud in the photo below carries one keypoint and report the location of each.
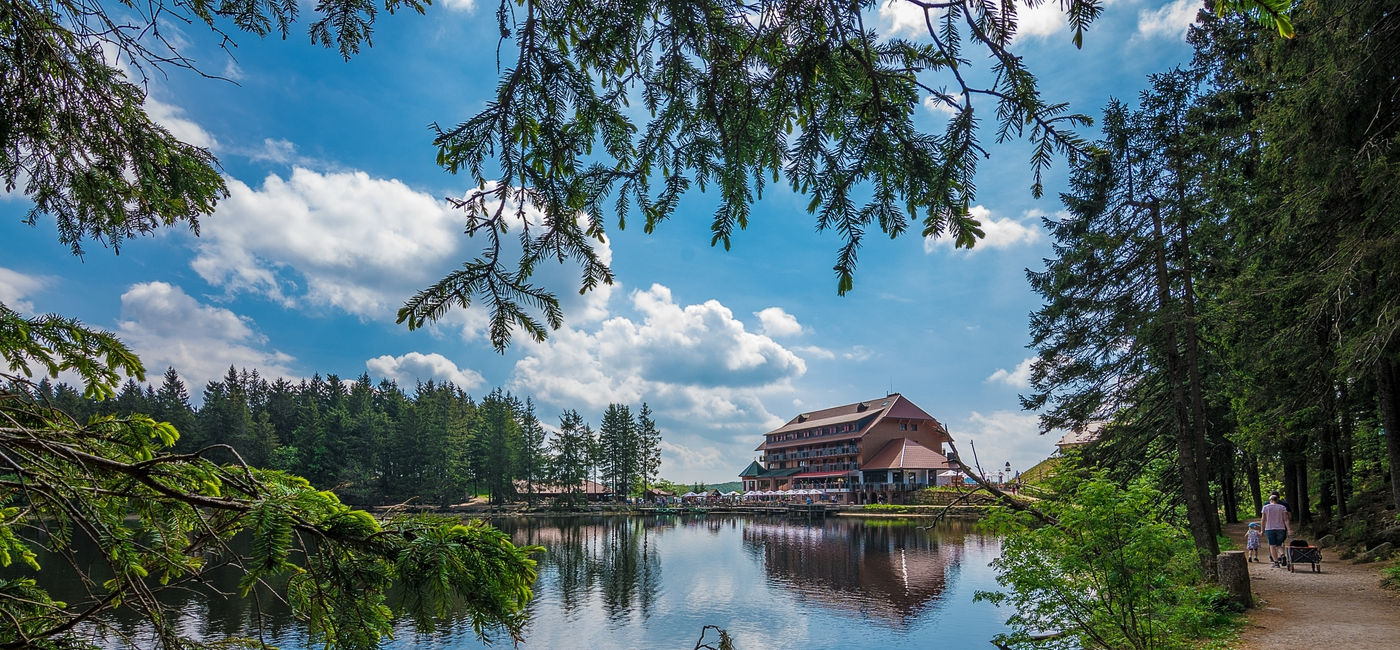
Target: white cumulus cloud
(1002, 437)
(939, 107)
(354, 243)
(15, 287)
(900, 18)
(409, 369)
(777, 322)
(1042, 21)
(1019, 377)
(167, 327)
(1006, 232)
(342, 240)
(1168, 21)
(694, 364)
(173, 118)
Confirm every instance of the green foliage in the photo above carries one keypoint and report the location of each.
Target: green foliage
(572, 450)
(164, 521)
(1269, 13)
(1111, 574)
(886, 507)
(1390, 578)
(57, 344)
(619, 449)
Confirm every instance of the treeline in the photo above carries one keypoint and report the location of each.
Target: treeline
(375, 443)
(1223, 301)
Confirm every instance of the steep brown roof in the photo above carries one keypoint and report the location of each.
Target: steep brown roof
(903, 453)
(893, 405)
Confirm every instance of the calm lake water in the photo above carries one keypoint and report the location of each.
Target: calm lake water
(654, 582)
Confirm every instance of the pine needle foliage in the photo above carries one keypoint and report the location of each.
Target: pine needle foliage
(164, 521)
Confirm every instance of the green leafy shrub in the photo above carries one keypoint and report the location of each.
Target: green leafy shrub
(886, 507)
(1390, 578)
(1111, 574)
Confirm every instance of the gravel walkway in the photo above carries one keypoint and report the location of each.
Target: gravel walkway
(1342, 607)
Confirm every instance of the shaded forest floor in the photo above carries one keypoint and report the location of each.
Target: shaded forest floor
(1343, 606)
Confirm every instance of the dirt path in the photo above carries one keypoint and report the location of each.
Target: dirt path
(1341, 607)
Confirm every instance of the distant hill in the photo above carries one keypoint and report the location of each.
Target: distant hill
(731, 486)
(1042, 470)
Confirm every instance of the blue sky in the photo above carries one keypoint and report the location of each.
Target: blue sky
(337, 214)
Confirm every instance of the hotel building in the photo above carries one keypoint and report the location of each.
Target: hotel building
(876, 451)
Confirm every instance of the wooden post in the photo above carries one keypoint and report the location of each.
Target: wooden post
(1233, 571)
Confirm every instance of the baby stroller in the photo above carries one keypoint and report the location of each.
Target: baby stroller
(1298, 552)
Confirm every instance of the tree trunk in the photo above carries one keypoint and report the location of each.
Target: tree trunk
(1232, 494)
(1326, 437)
(1325, 498)
(1233, 570)
(1304, 510)
(1339, 488)
(1197, 516)
(1191, 339)
(1344, 445)
(1229, 490)
(1290, 480)
(1389, 397)
(1251, 474)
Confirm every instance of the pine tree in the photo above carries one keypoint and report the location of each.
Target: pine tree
(499, 440)
(571, 452)
(533, 459)
(1118, 336)
(618, 449)
(172, 404)
(649, 447)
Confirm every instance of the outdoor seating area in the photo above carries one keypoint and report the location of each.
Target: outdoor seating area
(789, 496)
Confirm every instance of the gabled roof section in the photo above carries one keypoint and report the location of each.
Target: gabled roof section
(754, 469)
(903, 453)
(901, 407)
(893, 405)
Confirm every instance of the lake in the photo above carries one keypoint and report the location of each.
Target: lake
(654, 582)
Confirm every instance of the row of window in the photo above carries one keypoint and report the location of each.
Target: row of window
(812, 433)
(831, 430)
(814, 453)
(826, 467)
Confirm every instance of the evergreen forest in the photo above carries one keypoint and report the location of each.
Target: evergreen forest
(375, 444)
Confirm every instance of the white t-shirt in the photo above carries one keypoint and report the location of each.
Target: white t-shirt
(1275, 516)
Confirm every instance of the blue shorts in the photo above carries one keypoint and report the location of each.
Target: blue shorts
(1276, 536)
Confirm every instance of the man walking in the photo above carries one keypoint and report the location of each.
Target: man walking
(1273, 518)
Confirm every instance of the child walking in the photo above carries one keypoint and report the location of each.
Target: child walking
(1251, 542)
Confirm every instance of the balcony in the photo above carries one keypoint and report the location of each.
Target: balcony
(811, 453)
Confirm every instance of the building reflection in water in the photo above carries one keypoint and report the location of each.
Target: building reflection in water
(888, 570)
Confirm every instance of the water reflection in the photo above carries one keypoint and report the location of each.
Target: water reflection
(886, 571)
(613, 556)
(653, 582)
